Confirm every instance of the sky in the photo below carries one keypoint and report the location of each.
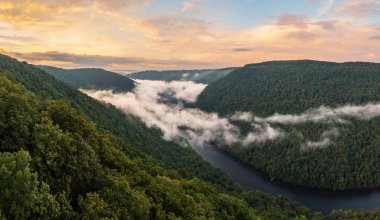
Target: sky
(187, 34)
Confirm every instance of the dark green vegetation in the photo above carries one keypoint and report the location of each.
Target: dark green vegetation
(97, 79)
(55, 162)
(292, 87)
(78, 159)
(199, 76)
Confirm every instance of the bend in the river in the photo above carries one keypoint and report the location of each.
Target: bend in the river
(317, 199)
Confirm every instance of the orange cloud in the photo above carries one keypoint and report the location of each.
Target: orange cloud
(359, 8)
(370, 56)
(95, 32)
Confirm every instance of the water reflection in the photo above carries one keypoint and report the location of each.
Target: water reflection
(317, 199)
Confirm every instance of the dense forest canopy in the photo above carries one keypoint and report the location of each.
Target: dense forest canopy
(68, 167)
(290, 87)
(339, 153)
(55, 163)
(200, 76)
(90, 78)
(64, 155)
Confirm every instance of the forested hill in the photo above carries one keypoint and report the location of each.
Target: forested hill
(90, 78)
(317, 153)
(133, 131)
(292, 87)
(55, 164)
(79, 159)
(200, 76)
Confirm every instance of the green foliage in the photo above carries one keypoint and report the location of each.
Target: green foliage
(65, 153)
(292, 87)
(16, 116)
(354, 215)
(199, 76)
(146, 142)
(21, 194)
(127, 203)
(94, 207)
(67, 168)
(97, 79)
(65, 175)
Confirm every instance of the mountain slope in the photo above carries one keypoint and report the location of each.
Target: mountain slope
(292, 87)
(98, 79)
(340, 152)
(109, 118)
(199, 76)
(102, 155)
(56, 164)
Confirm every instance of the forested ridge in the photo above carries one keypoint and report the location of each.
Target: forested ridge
(91, 78)
(106, 117)
(65, 156)
(200, 76)
(56, 164)
(66, 168)
(294, 87)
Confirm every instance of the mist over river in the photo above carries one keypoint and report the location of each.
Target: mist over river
(155, 103)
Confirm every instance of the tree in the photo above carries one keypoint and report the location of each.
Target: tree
(21, 194)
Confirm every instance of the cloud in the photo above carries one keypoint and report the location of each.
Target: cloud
(316, 144)
(375, 37)
(186, 5)
(324, 142)
(335, 117)
(327, 115)
(302, 35)
(359, 8)
(195, 38)
(241, 49)
(370, 56)
(264, 133)
(18, 38)
(175, 121)
(181, 90)
(158, 104)
(172, 25)
(29, 13)
(326, 7)
(329, 24)
(304, 22)
(94, 60)
(294, 20)
(111, 5)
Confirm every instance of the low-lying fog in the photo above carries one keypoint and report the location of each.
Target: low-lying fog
(160, 104)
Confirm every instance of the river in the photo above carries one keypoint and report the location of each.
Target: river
(152, 102)
(317, 199)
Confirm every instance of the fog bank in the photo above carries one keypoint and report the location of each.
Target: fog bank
(147, 102)
(159, 104)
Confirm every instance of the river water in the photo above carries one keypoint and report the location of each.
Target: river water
(148, 99)
(317, 199)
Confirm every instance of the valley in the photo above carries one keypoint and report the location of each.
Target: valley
(324, 111)
(181, 124)
(190, 110)
(160, 110)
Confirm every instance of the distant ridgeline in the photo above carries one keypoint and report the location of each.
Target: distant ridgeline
(331, 147)
(90, 78)
(200, 76)
(64, 155)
